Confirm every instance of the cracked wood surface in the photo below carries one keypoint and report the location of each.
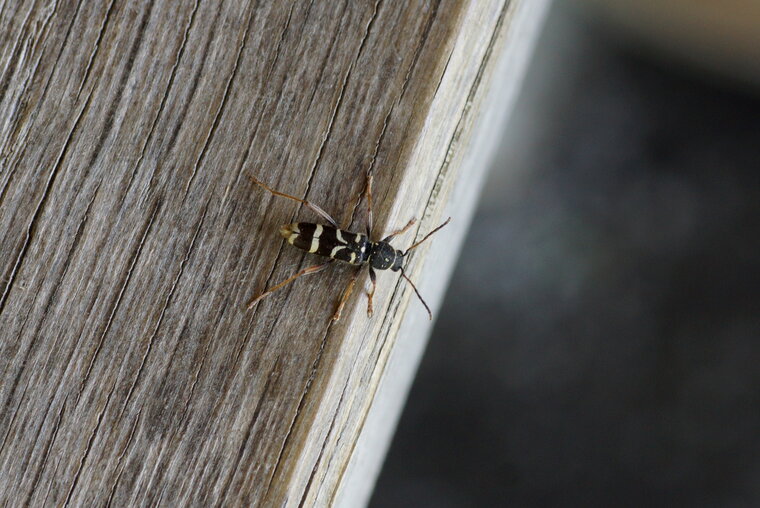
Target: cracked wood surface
(130, 371)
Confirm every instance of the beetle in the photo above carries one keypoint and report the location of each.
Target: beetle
(338, 244)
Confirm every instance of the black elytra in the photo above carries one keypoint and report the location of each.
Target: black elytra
(338, 244)
(342, 245)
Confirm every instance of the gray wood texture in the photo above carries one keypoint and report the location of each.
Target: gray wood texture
(130, 371)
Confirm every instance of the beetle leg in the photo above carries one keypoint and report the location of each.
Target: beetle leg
(371, 293)
(316, 209)
(349, 289)
(305, 271)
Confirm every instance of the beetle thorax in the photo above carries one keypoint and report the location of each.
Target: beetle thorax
(383, 256)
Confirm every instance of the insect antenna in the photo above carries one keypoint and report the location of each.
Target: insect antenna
(430, 314)
(426, 237)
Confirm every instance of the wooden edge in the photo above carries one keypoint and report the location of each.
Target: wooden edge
(470, 154)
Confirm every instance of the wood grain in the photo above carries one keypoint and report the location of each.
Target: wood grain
(132, 236)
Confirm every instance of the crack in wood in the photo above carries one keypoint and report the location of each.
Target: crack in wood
(30, 233)
(105, 132)
(222, 104)
(50, 484)
(323, 447)
(328, 54)
(186, 105)
(13, 137)
(87, 450)
(247, 434)
(14, 119)
(299, 409)
(46, 309)
(119, 461)
(281, 40)
(418, 50)
(94, 53)
(164, 307)
(41, 204)
(15, 59)
(14, 415)
(117, 301)
(46, 454)
(162, 104)
(67, 259)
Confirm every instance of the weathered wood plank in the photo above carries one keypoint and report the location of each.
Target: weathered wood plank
(131, 236)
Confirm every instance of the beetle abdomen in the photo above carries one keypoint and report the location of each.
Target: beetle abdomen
(327, 241)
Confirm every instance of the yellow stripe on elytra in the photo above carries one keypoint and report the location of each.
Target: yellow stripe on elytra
(290, 232)
(315, 239)
(339, 236)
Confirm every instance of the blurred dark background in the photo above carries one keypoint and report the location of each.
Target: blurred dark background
(599, 344)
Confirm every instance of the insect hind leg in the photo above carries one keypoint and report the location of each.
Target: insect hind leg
(305, 271)
(346, 294)
(315, 208)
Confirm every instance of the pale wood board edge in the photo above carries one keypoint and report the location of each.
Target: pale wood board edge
(508, 69)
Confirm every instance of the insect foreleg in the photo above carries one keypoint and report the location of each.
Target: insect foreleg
(400, 231)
